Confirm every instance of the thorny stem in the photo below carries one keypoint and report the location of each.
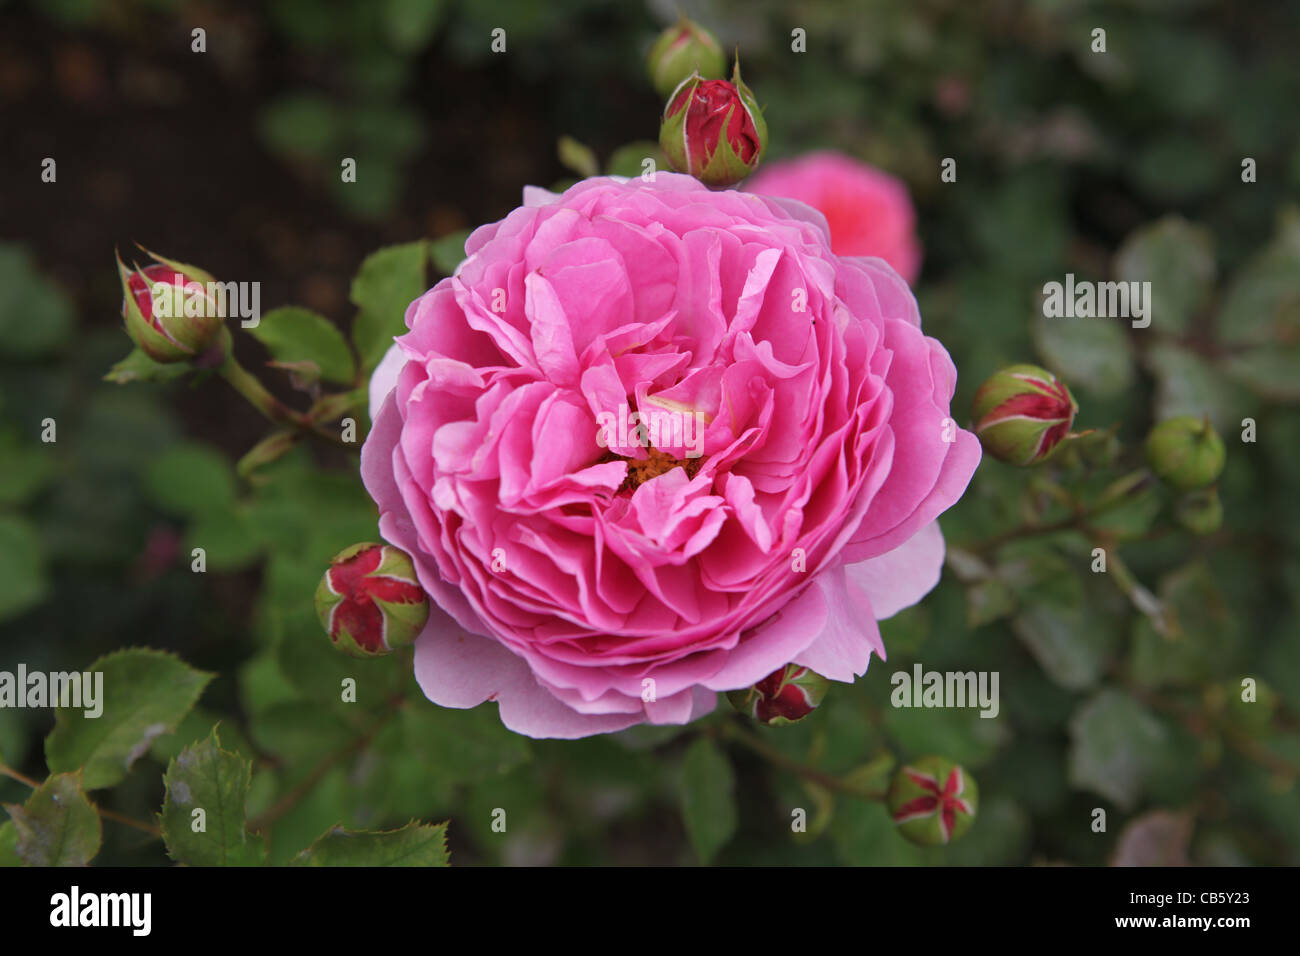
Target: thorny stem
(106, 814)
(729, 731)
(271, 407)
(308, 783)
(1078, 521)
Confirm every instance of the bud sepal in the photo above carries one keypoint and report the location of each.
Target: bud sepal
(713, 130)
(932, 801)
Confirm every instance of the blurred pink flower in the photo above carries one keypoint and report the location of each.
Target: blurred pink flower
(869, 211)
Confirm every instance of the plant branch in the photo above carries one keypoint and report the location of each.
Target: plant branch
(148, 828)
(305, 786)
(729, 731)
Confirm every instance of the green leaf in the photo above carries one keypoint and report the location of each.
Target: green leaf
(708, 798)
(145, 694)
(416, 844)
(9, 845)
(1072, 645)
(957, 732)
(36, 316)
(138, 367)
(1177, 258)
(409, 24)
(228, 536)
(1262, 305)
(27, 467)
(1208, 632)
(1272, 371)
(301, 124)
(987, 601)
(577, 157)
(206, 778)
(1093, 354)
(294, 334)
(863, 835)
(1189, 385)
(387, 282)
(465, 746)
(1114, 742)
(300, 732)
(57, 826)
(190, 479)
(449, 251)
(22, 566)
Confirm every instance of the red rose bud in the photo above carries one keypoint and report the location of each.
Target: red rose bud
(714, 130)
(169, 311)
(784, 696)
(1185, 452)
(1021, 414)
(683, 49)
(932, 801)
(370, 601)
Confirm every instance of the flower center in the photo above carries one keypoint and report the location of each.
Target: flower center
(656, 463)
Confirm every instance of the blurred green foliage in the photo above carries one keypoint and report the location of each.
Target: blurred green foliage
(1120, 691)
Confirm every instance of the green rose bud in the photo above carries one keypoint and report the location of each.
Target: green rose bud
(713, 130)
(784, 696)
(1185, 452)
(370, 601)
(1249, 709)
(1200, 511)
(932, 800)
(169, 309)
(1022, 413)
(684, 48)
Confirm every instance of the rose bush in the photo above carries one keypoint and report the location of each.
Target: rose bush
(869, 211)
(587, 591)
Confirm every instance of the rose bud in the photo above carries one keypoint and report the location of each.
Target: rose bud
(370, 601)
(713, 130)
(1021, 414)
(1185, 452)
(784, 696)
(1200, 511)
(932, 800)
(684, 48)
(169, 312)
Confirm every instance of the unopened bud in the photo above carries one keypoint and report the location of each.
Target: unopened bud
(713, 130)
(932, 800)
(1185, 452)
(784, 696)
(684, 48)
(370, 601)
(169, 312)
(1022, 413)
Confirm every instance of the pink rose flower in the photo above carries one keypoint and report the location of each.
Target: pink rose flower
(869, 211)
(587, 583)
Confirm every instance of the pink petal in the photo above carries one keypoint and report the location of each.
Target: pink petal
(899, 578)
(384, 377)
